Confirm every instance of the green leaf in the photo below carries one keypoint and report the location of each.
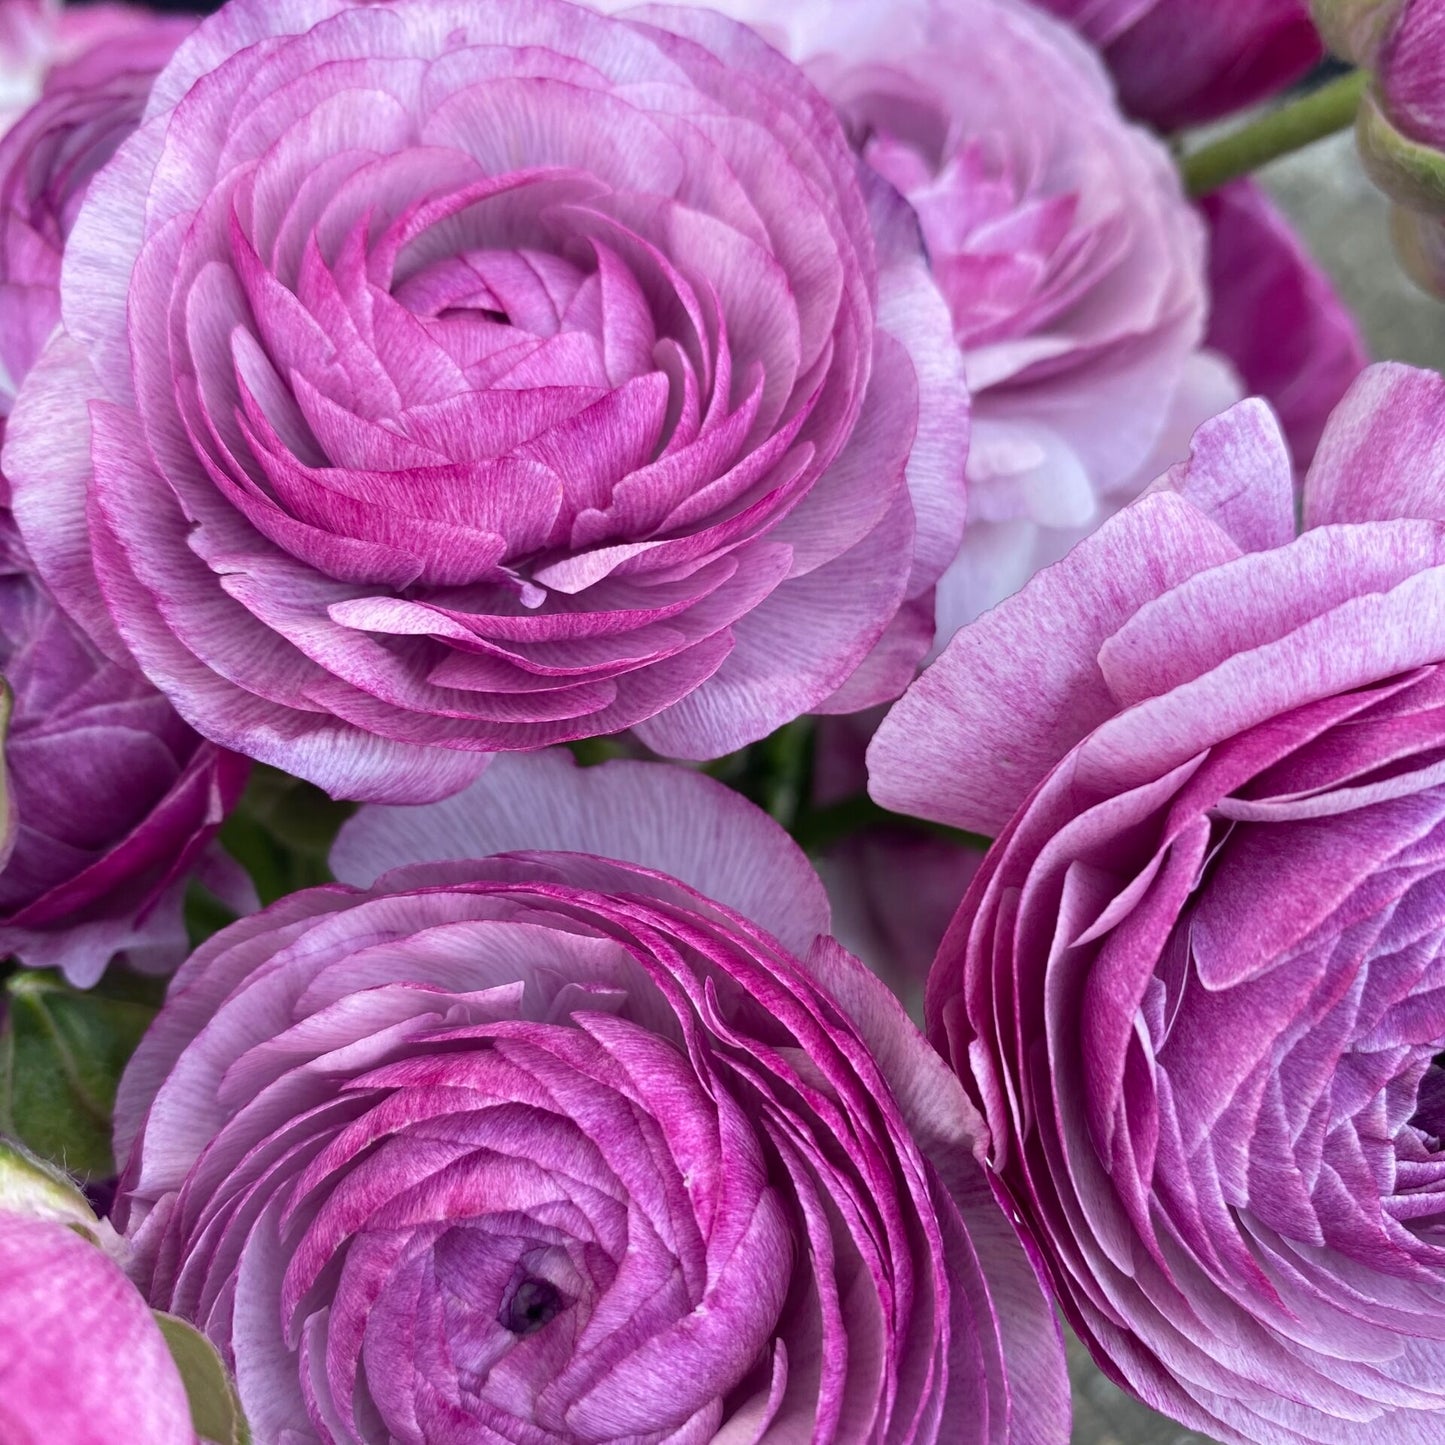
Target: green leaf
(282, 831)
(215, 1410)
(205, 913)
(61, 1057)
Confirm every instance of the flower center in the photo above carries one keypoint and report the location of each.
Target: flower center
(1429, 1116)
(530, 1305)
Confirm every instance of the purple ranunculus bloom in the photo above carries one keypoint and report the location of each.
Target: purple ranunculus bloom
(453, 378)
(613, 1144)
(36, 35)
(114, 801)
(89, 105)
(1199, 981)
(1182, 62)
(82, 1362)
(1059, 234)
(1277, 316)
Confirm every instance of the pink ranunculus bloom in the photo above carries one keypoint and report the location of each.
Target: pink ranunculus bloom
(1409, 66)
(606, 1144)
(1198, 982)
(36, 35)
(114, 801)
(89, 105)
(457, 378)
(1183, 62)
(82, 1361)
(1072, 263)
(1277, 316)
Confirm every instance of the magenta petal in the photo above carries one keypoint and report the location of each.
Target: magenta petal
(1195, 986)
(1382, 450)
(382, 316)
(519, 1140)
(1277, 317)
(84, 1359)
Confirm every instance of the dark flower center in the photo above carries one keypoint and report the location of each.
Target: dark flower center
(1429, 1116)
(531, 1305)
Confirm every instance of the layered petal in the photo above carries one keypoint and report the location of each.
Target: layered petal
(552, 1145)
(1196, 985)
(462, 383)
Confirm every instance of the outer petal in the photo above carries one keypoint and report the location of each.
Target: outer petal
(46, 458)
(1183, 62)
(1013, 692)
(84, 1361)
(1027, 1339)
(1383, 451)
(663, 817)
(1277, 316)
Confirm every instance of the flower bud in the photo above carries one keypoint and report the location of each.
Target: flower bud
(1410, 71)
(1420, 244)
(1400, 126)
(1355, 29)
(31, 1187)
(1410, 173)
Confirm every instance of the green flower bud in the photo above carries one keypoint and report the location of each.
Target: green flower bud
(1355, 29)
(1420, 245)
(1409, 173)
(35, 1189)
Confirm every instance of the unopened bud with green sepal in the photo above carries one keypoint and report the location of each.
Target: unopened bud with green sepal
(65, 1306)
(1400, 123)
(1355, 29)
(36, 1189)
(1410, 173)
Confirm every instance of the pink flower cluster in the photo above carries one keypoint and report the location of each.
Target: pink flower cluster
(846, 399)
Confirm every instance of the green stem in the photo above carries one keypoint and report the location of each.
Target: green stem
(789, 761)
(1290, 128)
(820, 828)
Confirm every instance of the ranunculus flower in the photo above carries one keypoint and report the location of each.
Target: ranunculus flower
(1401, 122)
(1060, 236)
(1198, 981)
(452, 378)
(1072, 265)
(38, 34)
(1277, 316)
(1182, 62)
(554, 1146)
(114, 801)
(82, 1361)
(47, 159)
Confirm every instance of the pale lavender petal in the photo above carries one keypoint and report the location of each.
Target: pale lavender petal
(665, 818)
